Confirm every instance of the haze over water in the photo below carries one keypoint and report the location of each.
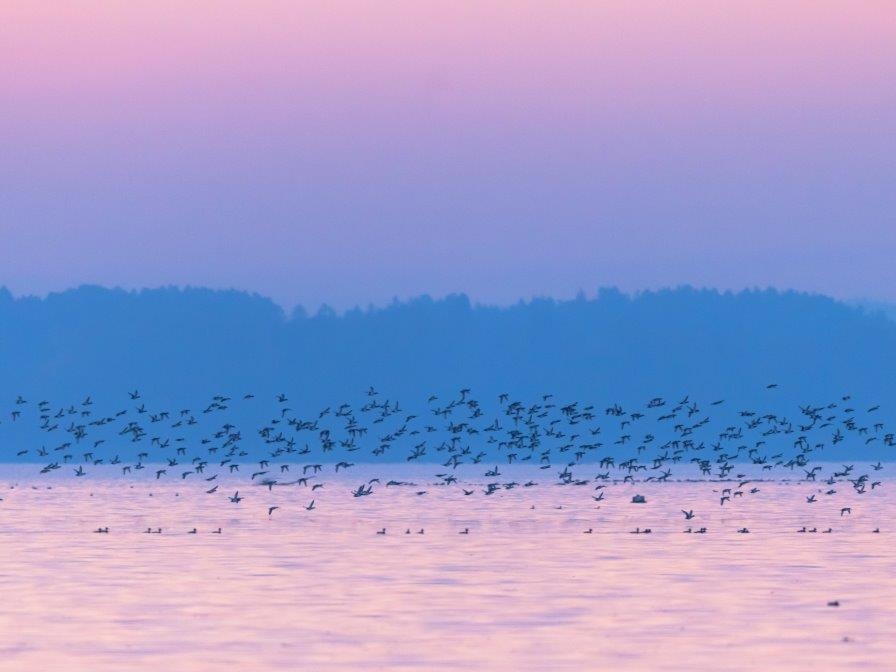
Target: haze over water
(525, 589)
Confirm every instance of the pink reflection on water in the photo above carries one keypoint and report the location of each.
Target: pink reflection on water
(526, 589)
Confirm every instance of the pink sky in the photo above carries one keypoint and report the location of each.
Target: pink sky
(351, 151)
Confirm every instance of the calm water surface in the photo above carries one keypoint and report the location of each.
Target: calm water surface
(524, 590)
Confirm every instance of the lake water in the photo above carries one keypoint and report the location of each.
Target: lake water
(526, 589)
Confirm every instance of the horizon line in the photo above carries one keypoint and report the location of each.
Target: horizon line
(865, 303)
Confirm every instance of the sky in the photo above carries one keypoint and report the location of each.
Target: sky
(349, 152)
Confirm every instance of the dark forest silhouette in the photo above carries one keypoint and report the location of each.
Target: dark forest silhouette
(180, 346)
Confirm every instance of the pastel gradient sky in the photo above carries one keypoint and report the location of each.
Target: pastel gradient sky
(348, 152)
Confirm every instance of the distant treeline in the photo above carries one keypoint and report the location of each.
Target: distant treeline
(180, 346)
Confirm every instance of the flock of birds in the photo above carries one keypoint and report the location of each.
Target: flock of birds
(570, 443)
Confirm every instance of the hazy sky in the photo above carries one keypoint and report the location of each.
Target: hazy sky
(350, 152)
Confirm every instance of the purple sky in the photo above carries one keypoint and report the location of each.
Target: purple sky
(349, 152)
